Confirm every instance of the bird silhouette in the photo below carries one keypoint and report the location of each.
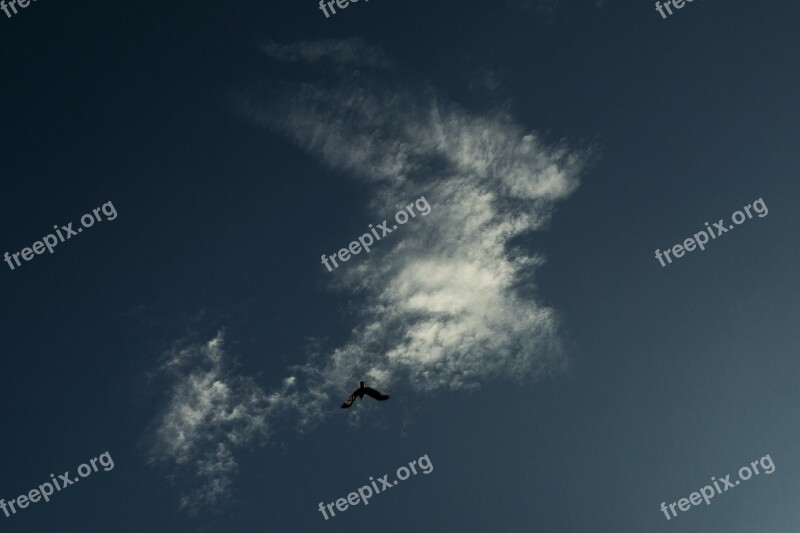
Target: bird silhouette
(360, 392)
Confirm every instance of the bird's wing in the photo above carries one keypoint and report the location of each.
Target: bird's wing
(372, 393)
(349, 401)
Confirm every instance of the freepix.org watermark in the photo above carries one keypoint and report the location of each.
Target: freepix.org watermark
(706, 493)
(11, 5)
(56, 484)
(50, 241)
(677, 4)
(701, 238)
(366, 492)
(365, 241)
(341, 3)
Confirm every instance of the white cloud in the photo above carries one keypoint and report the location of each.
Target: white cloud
(209, 412)
(447, 301)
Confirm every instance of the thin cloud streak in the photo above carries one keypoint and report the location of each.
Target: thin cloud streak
(353, 51)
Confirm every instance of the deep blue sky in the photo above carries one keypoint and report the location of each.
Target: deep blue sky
(673, 374)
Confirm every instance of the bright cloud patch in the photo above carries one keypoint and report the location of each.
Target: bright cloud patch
(449, 303)
(446, 304)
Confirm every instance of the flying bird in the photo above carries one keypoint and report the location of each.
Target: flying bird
(360, 392)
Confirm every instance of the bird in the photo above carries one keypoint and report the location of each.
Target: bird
(360, 392)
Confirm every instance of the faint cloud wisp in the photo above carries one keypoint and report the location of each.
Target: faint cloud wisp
(210, 412)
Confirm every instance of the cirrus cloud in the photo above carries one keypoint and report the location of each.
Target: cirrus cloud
(448, 305)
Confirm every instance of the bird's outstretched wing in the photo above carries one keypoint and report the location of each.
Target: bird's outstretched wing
(349, 401)
(372, 393)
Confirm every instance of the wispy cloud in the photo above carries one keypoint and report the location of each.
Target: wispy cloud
(452, 302)
(353, 51)
(486, 79)
(449, 305)
(210, 412)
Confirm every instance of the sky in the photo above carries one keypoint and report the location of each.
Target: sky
(189, 164)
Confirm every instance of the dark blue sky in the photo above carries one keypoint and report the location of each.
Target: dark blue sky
(557, 376)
